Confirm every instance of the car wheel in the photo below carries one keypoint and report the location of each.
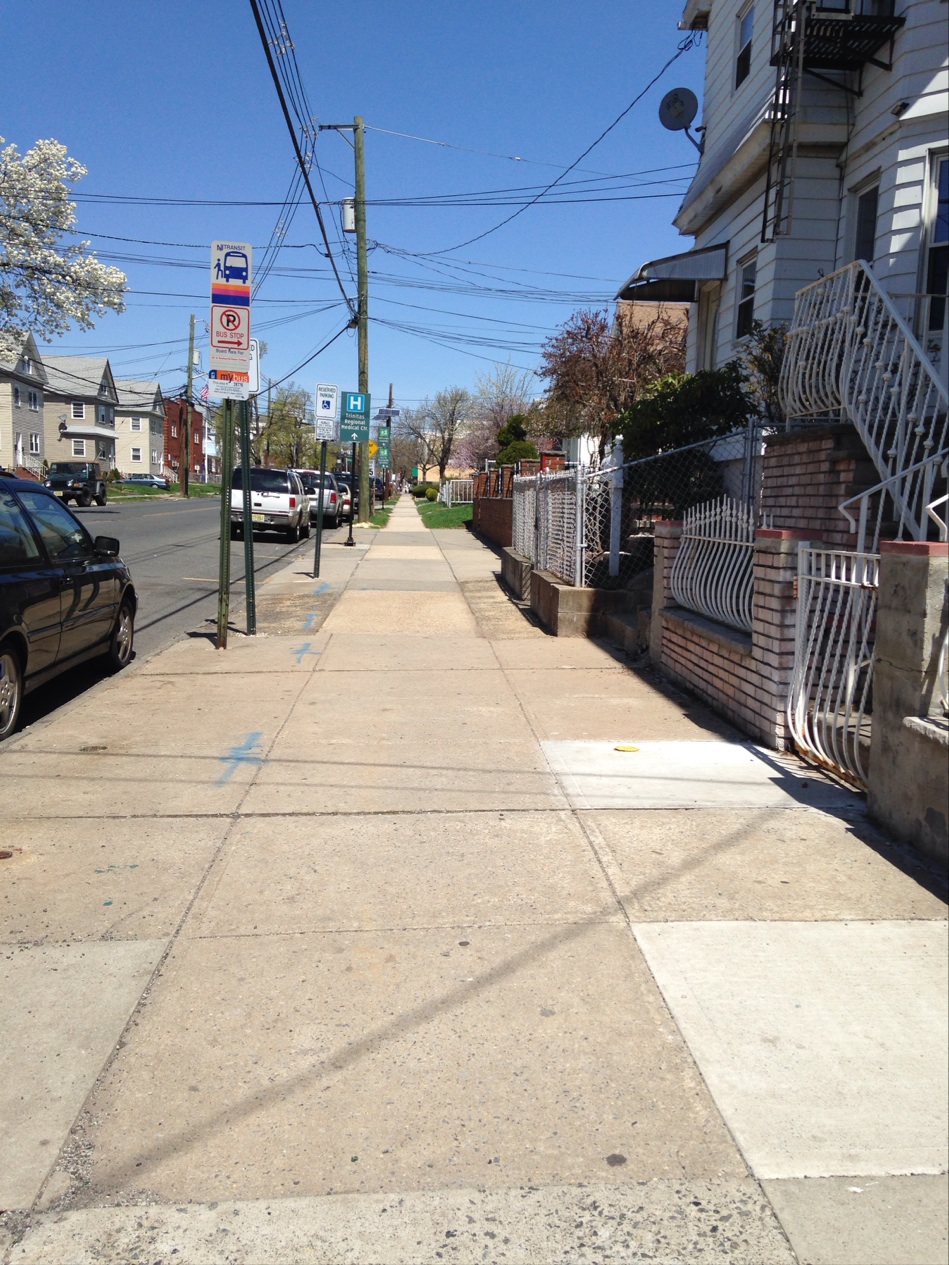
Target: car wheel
(120, 646)
(84, 499)
(11, 691)
(306, 528)
(236, 532)
(293, 534)
(101, 500)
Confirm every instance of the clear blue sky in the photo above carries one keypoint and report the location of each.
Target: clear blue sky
(174, 101)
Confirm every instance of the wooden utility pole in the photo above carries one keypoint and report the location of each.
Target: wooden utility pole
(362, 302)
(186, 420)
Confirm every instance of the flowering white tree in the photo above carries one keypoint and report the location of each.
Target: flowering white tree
(46, 284)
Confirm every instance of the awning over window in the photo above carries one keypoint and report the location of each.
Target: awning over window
(674, 279)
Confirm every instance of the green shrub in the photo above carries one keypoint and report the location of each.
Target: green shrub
(431, 494)
(422, 489)
(517, 450)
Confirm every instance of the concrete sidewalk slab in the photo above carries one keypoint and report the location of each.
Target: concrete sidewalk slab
(260, 654)
(880, 1221)
(397, 652)
(278, 1065)
(663, 1222)
(429, 691)
(365, 873)
(165, 716)
(755, 864)
(70, 882)
(390, 773)
(697, 774)
(822, 1060)
(404, 613)
(62, 1009)
(96, 785)
(627, 714)
(559, 654)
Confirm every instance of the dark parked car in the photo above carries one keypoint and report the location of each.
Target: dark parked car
(64, 596)
(79, 481)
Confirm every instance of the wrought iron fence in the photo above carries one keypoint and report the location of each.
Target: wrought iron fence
(713, 569)
(456, 492)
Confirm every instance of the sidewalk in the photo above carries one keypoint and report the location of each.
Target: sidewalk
(404, 933)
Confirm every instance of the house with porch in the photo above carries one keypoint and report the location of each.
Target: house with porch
(821, 204)
(139, 426)
(79, 415)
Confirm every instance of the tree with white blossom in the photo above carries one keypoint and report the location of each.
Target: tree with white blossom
(47, 283)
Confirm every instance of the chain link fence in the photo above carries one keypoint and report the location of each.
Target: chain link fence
(595, 529)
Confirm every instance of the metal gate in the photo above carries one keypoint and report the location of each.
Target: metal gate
(830, 703)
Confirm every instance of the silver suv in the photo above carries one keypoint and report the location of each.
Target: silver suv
(278, 502)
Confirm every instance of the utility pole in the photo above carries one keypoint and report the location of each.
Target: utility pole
(186, 422)
(362, 304)
(357, 127)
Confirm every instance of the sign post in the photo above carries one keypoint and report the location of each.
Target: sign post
(326, 427)
(355, 430)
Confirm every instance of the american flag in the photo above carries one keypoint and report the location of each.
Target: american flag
(204, 392)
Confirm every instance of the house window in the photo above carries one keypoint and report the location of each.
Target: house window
(154, 456)
(16, 397)
(174, 431)
(937, 253)
(137, 456)
(865, 224)
(102, 415)
(135, 424)
(34, 442)
(27, 366)
(78, 447)
(78, 410)
(34, 397)
(743, 60)
(747, 275)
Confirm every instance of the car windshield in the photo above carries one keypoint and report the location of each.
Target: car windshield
(68, 467)
(262, 480)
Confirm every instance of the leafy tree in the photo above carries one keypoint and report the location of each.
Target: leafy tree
(684, 408)
(514, 431)
(436, 424)
(286, 433)
(46, 284)
(517, 450)
(596, 368)
(762, 356)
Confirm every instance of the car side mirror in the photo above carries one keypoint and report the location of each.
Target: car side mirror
(106, 546)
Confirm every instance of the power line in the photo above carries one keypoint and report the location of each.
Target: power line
(684, 46)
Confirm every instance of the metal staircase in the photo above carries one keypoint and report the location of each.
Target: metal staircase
(850, 355)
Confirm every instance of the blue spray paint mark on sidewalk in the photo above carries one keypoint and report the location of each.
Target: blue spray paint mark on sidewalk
(243, 753)
(308, 622)
(321, 588)
(305, 649)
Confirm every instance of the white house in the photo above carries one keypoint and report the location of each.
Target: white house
(80, 409)
(852, 163)
(22, 398)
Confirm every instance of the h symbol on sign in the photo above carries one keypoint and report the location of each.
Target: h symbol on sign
(356, 404)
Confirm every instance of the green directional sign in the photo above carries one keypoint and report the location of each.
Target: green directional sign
(354, 428)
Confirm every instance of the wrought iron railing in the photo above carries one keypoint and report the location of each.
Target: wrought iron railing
(850, 351)
(713, 569)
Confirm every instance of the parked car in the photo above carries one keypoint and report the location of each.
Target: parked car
(147, 480)
(79, 481)
(278, 503)
(345, 500)
(323, 497)
(64, 596)
(379, 490)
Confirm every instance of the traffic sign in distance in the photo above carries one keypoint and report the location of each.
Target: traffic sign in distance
(326, 418)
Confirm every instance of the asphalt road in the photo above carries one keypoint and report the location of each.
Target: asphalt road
(171, 546)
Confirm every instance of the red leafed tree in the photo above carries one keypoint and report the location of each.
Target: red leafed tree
(595, 368)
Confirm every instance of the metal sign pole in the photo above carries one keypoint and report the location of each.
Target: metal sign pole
(250, 594)
(319, 517)
(352, 499)
(224, 567)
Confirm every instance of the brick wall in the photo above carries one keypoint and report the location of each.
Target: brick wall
(808, 474)
(493, 518)
(742, 677)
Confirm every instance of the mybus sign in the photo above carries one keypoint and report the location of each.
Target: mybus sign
(230, 311)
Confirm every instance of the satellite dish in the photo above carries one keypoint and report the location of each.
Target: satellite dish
(677, 109)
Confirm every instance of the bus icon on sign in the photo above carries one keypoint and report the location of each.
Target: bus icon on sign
(235, 266)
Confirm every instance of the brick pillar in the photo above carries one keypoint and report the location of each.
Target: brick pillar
(908, 782)
(774, 627)
(668, 533)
